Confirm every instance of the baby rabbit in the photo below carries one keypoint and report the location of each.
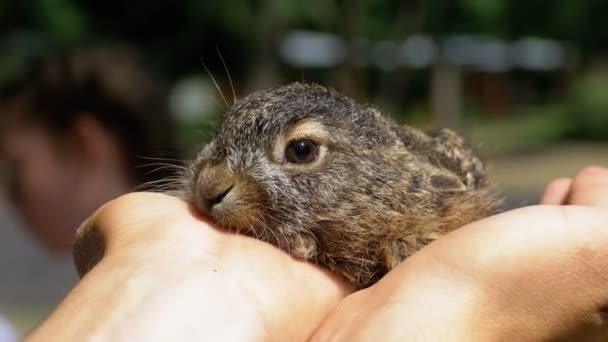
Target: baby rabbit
(331, 181)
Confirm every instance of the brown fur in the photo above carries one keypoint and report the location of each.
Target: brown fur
(377, 193)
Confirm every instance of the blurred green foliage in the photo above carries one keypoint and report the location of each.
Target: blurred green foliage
(582, 114)
(530, 127)
(168, 31)
(588, 106)
(175, 36)
(194, 134)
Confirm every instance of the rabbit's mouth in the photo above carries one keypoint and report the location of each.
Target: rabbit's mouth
(233, 206)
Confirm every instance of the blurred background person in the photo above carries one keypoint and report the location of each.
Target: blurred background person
(525, 81)
(82, 126)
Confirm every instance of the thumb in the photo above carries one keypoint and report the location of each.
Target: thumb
(122, 220)
(590, 187)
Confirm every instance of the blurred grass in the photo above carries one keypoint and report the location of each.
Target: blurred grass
(526, 151)
(524, 175)
(530, 128)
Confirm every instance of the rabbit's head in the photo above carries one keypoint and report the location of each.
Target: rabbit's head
(310, 170)
(288, 160)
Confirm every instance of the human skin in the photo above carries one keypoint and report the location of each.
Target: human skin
(168, 274)
(84, 168)
(533, 274)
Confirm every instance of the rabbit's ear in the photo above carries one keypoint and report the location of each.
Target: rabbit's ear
(447, 183)
(447, 149)
(460, 158)
(412, 138)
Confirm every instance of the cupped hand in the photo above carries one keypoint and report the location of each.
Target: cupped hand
(534, 274)
(164, 273)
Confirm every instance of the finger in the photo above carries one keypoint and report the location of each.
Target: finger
(119, 219)
(590, 187)
(556, 192)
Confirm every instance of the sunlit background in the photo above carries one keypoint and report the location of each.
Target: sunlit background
(525, 81)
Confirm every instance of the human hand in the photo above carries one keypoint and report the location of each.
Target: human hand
(534, 274)
(531, 274)
(166, 274)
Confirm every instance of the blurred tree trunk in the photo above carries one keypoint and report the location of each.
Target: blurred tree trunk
(348, 78)
(393, 84)
(446, 95)
(271, 27)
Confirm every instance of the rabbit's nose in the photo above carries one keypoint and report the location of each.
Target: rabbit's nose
(214, 184)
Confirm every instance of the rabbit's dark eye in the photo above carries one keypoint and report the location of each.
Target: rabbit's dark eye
(302, 151)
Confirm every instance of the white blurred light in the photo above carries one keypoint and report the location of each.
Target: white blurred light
(538, 54)
(419, 51)
(481, 53)
(312, 49)
(488, 54)
(192, 98)
(459, 50)
(491, 55)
